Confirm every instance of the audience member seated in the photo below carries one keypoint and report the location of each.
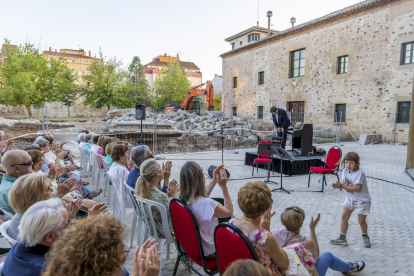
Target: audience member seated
(81, 139)
(103, 253)
(102, 142)
(95, 146)
(246, 268)
(292, 218)
(40, 227)
(118, 170)
(26, 191)
(255, 201)
(17, 163)
(88, 141)
(206, 210)
(108, 149)
(50, 159)
(138, 155)
(57, 148)
(147, 187)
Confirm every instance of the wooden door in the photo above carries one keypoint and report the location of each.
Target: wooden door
(296, 111)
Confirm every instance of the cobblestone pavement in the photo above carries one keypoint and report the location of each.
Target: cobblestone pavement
(389, 224)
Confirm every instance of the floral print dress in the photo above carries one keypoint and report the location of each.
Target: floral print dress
(258, 239)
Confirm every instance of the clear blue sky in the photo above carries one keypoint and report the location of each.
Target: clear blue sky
(194, 29)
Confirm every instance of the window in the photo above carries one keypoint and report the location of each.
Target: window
(253, 37)
(261, 77)
(234, 82)
(241, 42)
(340, 113)
(234, 111)
(342, 65)
(407, 53)
(297, 63)
(403, 115)
(233, 45)
(71, 61)
(260, 112)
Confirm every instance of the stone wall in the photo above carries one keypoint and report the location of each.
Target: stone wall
(371, 89)
(55, 110)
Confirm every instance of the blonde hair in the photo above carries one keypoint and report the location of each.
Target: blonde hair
(91, 246)
(109, 147)
(192, 182)
(246, 268)
(147, 170)
(292, 218)
(254, 199)
(351, 156)
(27, 190)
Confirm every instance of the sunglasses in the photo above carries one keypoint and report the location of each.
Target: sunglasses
(26, 164)
(294, 209)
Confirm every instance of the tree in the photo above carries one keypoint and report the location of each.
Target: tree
(105, 83)
(27, 78)
(217, 102)
(68, 89)
(137, 90)
(171, 87)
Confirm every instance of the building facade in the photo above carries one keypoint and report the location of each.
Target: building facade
(353, 66)
(155, 69)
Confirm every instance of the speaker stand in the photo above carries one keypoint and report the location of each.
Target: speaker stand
(281, 173)
(142, 135)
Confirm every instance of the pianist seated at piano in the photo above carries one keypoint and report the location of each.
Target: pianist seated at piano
(281, 122)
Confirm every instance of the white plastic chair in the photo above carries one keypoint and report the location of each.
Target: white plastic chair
(145, 204)
(142, 234)
(118, 206)
(95, 168)
(4, 231)
(84, 162)
(105, 171)
(1, 268)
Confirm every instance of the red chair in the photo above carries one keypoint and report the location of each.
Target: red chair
(188, 238)
(331, 165)
(231, 245)
(264, 159)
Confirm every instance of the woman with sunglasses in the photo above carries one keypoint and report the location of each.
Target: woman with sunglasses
(292, 218)
(255, 201)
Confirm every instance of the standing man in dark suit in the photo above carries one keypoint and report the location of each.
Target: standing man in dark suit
(281, 121)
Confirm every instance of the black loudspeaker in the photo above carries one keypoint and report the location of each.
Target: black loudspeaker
(140, 111)
(211, 170)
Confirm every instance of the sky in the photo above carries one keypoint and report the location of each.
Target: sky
(195, 30)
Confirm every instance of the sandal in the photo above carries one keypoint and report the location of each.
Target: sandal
(94, 194)
(85, 183)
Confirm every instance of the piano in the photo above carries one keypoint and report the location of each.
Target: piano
(301, 138)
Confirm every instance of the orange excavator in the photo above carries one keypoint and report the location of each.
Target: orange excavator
(191, 105)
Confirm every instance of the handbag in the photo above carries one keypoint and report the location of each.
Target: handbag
(296, 268)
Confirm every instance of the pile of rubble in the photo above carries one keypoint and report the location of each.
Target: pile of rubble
(29, 124)
(184, 122)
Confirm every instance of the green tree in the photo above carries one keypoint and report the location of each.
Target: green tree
(68, 89)
(27, 78)
(217, 102)
(105, 83)
(170, 87)
(137, 90)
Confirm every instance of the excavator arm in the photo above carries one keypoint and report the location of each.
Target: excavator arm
(194, 92)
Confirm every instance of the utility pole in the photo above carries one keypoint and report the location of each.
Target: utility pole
(409, 167)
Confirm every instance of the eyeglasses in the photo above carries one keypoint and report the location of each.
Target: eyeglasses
(294, 209)
(26, 164)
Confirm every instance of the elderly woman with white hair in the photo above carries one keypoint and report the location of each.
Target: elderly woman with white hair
(41, 226)
(139, 154)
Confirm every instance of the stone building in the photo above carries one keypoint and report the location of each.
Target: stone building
(354, 65)
(154, 69)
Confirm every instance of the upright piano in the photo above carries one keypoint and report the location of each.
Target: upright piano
(301, 138)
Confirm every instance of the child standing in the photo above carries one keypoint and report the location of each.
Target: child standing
(357, 198)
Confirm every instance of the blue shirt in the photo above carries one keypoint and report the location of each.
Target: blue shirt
(25, 261)
(133, 177)
(5, 187)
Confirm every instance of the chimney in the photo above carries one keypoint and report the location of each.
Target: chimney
(82, 53)
(293, 21)
(89, 53)
(269, 15)
(50, 49)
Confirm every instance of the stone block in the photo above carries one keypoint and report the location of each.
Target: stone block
(366, 139)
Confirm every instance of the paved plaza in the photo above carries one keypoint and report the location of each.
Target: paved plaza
(389, 224)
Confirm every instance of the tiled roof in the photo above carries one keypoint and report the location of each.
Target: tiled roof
(67, 55)
(348, 11)
(184, 64)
